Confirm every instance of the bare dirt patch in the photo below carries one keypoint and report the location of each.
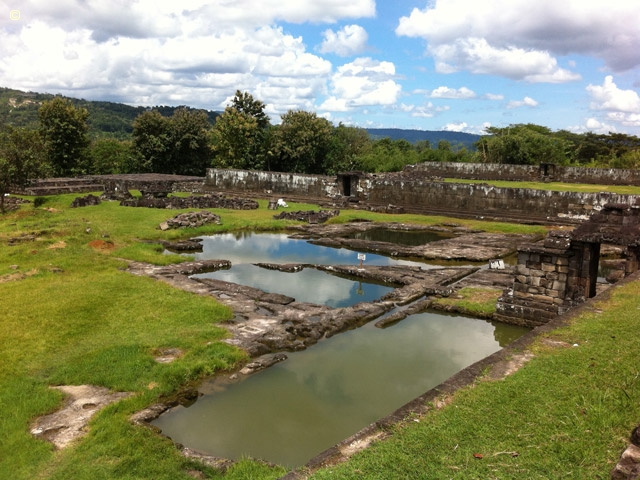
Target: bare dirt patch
(14, 277)
(102, 245)
(58, 245)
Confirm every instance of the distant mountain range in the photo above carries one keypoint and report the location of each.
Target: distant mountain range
(20, 109)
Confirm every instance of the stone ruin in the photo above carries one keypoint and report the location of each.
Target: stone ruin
(190, 220)
(87, 201)
(193, 201)
(562, 271)
(309, 216)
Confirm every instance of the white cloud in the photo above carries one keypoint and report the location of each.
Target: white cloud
(622, 106)
(494, 97)
(351, 40)
(165, 18)
(626, 119)
(466, 128)
(520, 39)
(429, 110)
(363, 82)
(477, 56)
(455, 127)
(609, 97)
(453, 93)
(525, 102)
(197, 69)
(153, 52)
(593, 125)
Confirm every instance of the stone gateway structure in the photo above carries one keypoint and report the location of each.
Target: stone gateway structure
(562, 271)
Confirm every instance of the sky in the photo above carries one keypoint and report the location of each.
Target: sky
(460, 65)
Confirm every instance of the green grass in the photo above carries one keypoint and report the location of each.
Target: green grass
(71, 314)
(479, 302)
(556, 186)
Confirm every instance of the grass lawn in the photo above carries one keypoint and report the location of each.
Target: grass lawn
(71, 314)
(556, 186)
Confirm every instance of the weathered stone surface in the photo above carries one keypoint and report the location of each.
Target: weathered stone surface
(13, 203)
(183, 245)
(628, 467)
(193, 201)
(67, 424)
(190, 220)
(87, 201)
(464, 244)
(309, 216)
(263, 362)
(267, 322)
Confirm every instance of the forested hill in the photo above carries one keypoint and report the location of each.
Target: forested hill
(454, 138)
(20, 109)
(105, 118)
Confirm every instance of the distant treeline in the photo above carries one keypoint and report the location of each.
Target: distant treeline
(85, 137)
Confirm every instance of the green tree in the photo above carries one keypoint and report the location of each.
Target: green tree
(189, 143)
(240, 136)
(522, 144)
(347, 144)
(150, 139)
(244, 102)
(301, 142)
(111, 156)
(386, 155)
(236, 141)
(177, 145)
(64, 130)
(22, 159)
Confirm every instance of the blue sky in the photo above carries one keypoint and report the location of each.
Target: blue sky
(431, 65)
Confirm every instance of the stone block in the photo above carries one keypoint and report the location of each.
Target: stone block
(548, 267)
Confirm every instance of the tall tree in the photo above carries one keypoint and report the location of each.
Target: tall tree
(65, 132)
(189, 142)
(176, 145)
(522, 144)
(22, 159)
(241, 134)
(151, 141)
(347, 143)
(301, 142)
(244, 102)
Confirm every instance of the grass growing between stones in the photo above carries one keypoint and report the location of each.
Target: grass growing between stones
(477, 302)
(435, 220)
(555, 186)
(565, 414)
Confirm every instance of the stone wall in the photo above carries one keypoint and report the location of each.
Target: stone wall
(487, 200)
(272, 183)
(415, 190)
(543, 172)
